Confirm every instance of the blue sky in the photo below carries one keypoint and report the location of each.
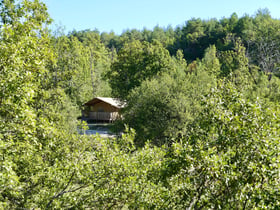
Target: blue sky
(119, 15)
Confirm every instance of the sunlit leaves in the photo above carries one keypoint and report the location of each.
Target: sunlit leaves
(230, 157)
(137, 61)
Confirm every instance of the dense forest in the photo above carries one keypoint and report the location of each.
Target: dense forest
(200, 130)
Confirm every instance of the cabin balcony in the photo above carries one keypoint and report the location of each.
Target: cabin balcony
(103, 116)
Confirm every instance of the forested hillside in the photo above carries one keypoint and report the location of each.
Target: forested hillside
(201, 126)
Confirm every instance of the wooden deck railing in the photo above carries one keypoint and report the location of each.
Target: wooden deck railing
(103, 116)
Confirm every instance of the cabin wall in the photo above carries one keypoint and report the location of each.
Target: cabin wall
(103, 107)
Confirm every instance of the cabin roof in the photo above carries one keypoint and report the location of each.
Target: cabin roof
(112, 101)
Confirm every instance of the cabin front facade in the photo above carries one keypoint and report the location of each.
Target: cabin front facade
(102, 109)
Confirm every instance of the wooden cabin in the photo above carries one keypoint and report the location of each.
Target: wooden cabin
(102, 109)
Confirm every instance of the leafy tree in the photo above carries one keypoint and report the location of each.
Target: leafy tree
(211, 61)
(194, 146)
(113, 175)
(164, 36)
(81, 66)
(32, 120)
(161, 107)
(137, 61)
(230, 157)
(99, 59)
(24, 53)
(110, 40)
(235, 66)
(267, 90)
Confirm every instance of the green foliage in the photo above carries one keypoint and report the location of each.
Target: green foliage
(230, 157)
(32, 114)
(137, 61)
(211, 62)
(81, 66)
(115, 177)
(161, 107)
(267, 90)
(235, 66)
(24, 54)
(98, 173)
(189, 143)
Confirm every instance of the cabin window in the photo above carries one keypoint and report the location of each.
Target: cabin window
(100, 109)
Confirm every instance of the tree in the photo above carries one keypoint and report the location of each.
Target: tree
(137, 61)
(211, 62)
(161, 107)
(230, 157)
(82, 62)
(24, 53)
(235, 66)
(32, 123)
